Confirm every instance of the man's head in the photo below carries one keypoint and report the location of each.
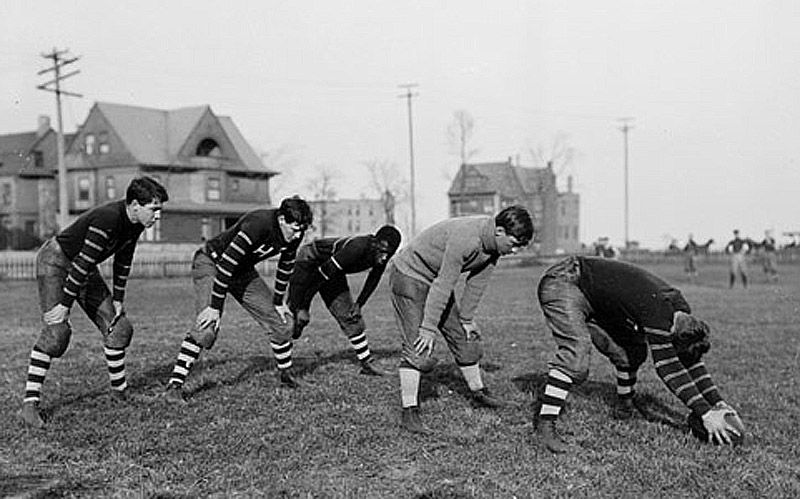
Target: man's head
(689, 338)
(387, 240)
(294, 217)
(144, 198)
(735, 232)
(513, 229)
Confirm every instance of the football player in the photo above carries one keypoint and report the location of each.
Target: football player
(66, 271)
(423, 277)
(322, 267)
(622, 310)
(225, 265)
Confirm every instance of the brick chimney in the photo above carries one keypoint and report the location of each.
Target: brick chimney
(43, 125)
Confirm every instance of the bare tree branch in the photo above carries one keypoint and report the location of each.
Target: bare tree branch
(387, 182)
(559, 153)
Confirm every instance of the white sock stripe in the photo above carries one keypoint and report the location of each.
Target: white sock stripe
(180, 370)
(35, 354)
(191, 346)
(113, 351)
(363, 355)
(558, 393)
(283, 356)
(37, 371)
(555, 373)
(549, 410)
(624, 390)
(33, 385)
(116, 376)
(115, 363)
(120, 388)
(625, 375)
(187, 359)
(32, 399)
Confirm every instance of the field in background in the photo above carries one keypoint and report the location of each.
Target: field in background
(243, 435)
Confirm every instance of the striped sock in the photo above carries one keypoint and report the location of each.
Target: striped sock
(37, 370)
(283, 354)
(360, 345)
(626, 380)
(188, 354)
(115, 359)
(555, 394)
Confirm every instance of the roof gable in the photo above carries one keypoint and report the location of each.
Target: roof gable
(499, 178)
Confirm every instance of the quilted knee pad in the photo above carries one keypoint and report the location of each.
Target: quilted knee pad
(121, 334)
(54, 339)
(205, 337)
(422, 363)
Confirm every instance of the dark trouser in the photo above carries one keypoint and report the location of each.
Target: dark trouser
(568, 315)
(52, 267)
(408, 298)
(247, 288)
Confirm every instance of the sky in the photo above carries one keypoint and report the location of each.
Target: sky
(713, 89)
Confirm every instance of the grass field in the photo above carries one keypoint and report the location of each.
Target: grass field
(241, 435)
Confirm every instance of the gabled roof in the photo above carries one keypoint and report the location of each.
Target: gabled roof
(15, 150)
(499, 178)
(249, 157)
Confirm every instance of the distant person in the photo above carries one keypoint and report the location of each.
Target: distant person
(769, 257)
(423, 278)
(738, 248)
(604, 249)
(623, 311)
(322, 267)
(225, 265)
(690, 252)
(66, 272)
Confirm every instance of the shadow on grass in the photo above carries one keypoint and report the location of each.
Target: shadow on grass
(650, 407)
(449, 376)
(32, 485)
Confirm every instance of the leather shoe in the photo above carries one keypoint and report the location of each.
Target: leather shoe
(31, 415)
(174, 394)
(411, 422)
(370, 368)
(551, 439)
(484, 398)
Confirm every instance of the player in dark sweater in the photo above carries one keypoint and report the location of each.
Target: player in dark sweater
(225, 265)
(322, 267)
(66, 271)
(623, 309)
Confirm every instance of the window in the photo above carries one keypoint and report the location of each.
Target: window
(208, 147)
(5, 194)
(235, 185)
(38, 159)
(83, 189)
(88, 144)
(205, 229)
(212, 189)
(111, 191)
(30, 227)
(104, 147)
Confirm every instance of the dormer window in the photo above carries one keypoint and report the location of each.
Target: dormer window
(88, 143)
(208, 147)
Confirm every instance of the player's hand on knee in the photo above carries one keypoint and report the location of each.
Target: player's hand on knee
(471, 330)
(283, 312)
(424, 343)
(56, 315)
(207, 317)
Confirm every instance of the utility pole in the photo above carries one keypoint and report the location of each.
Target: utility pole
(60, 59)
(625, 128)
(408, 95)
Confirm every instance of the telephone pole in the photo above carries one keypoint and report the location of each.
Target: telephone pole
(60, 59)
(625, 128)
(408, 95)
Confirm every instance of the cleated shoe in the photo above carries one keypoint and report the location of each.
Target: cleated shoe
(370, 368)
(289, 379)
(483, 398)
(31, 415)
(174, 394)
(623, 409)
(551, 439)
(411, 422)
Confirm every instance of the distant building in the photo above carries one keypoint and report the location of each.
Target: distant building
(486, 188)
(346, 217)
(28, 190)
(212, 174)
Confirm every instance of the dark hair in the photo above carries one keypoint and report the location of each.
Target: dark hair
(296, 210)
(145, 190)
(517, 222)
(690, 340)
(391, 235)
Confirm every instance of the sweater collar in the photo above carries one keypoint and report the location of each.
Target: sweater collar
(488, 240)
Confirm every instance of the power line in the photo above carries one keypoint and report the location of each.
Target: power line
(408, 96)
(60, 59)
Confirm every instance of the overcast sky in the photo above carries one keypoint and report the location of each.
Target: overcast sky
(714, 88)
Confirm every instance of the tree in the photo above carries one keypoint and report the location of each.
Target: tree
(386, 181)
(321, 188)
(559, 154)
(459, 136)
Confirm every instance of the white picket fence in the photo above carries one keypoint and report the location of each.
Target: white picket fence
(21, 265)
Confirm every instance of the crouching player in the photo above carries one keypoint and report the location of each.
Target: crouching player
(423, 277)
(622, 309)
(322, 267)
(225, 265)
(66, 272)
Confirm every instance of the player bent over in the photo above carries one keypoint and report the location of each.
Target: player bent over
(225, 265)
(66, 272)
(423, 277)
(322, 267)
(623, 309)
